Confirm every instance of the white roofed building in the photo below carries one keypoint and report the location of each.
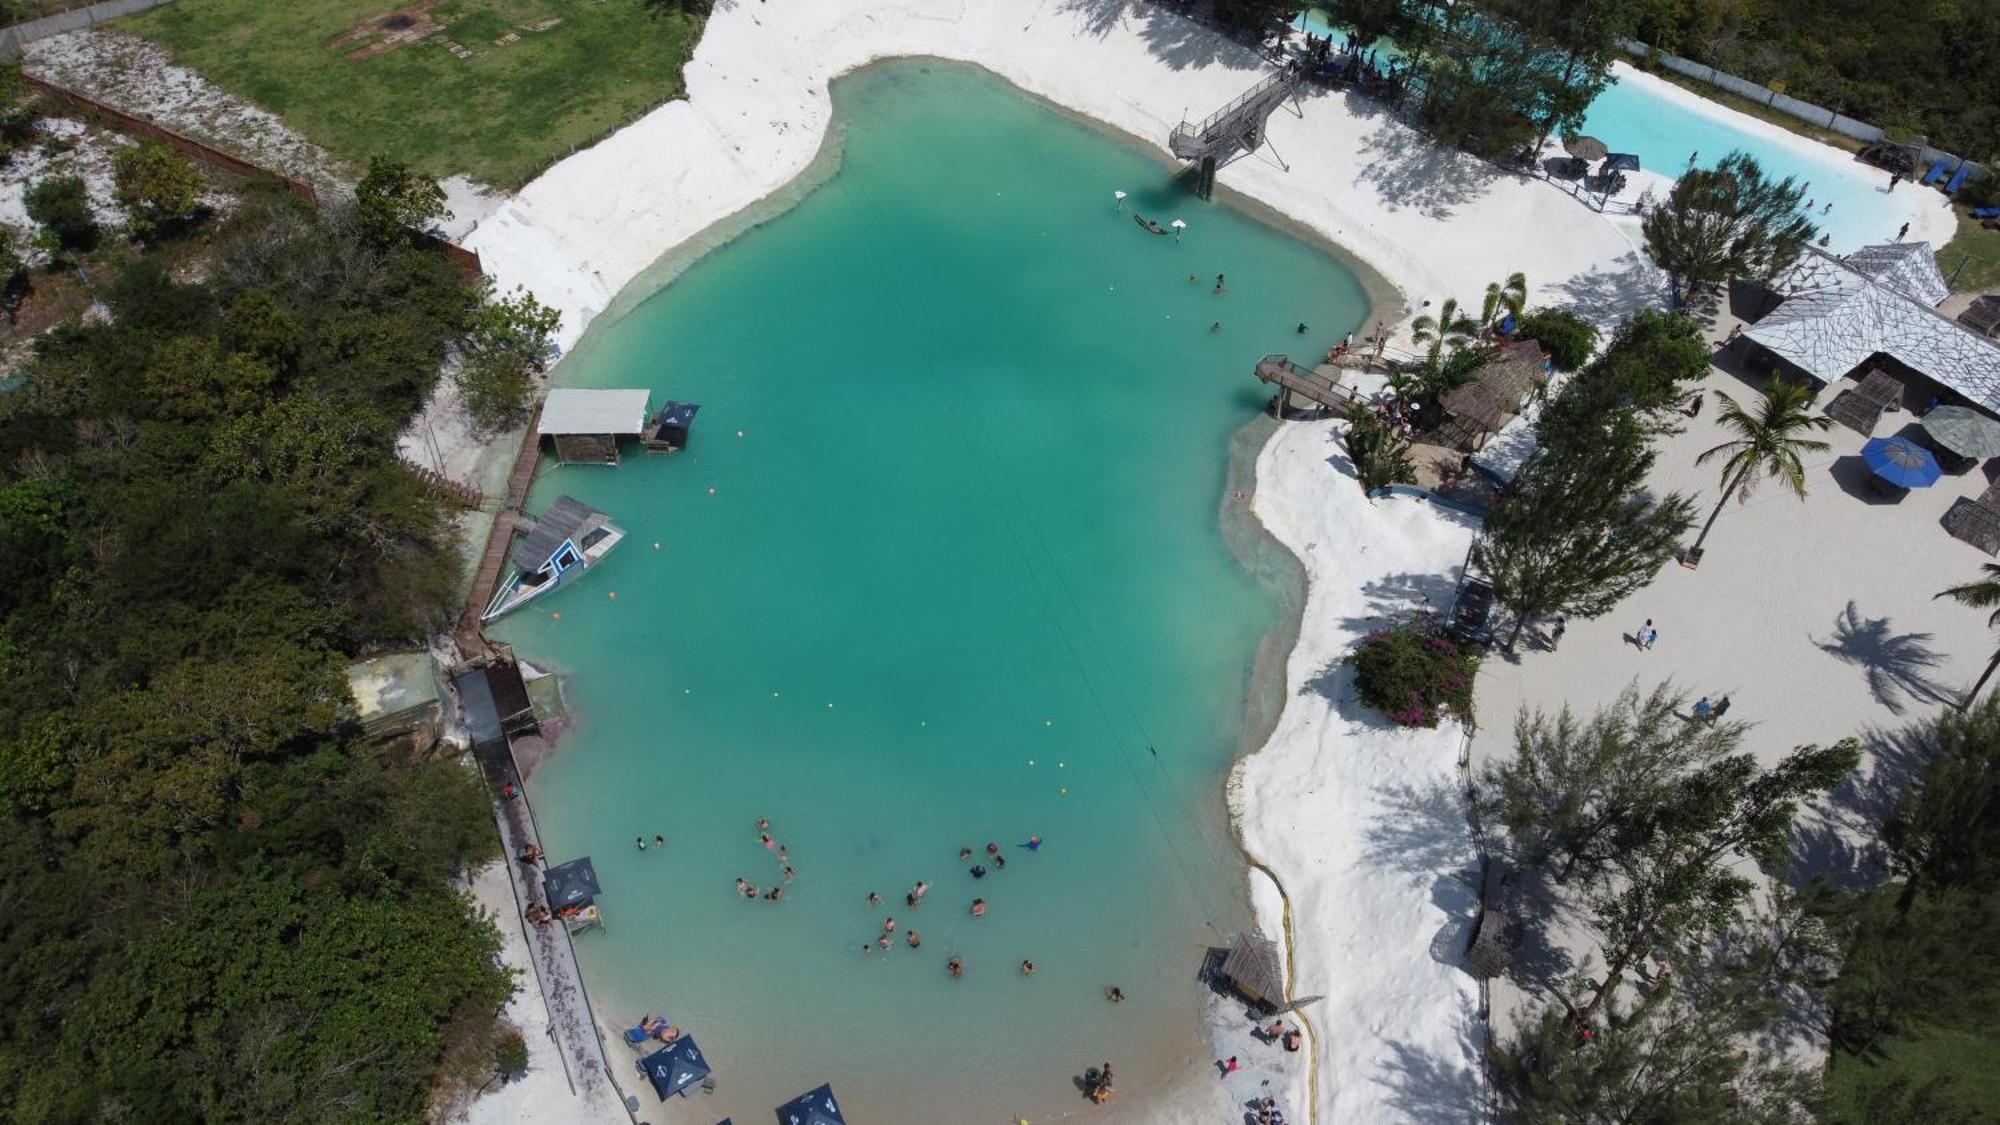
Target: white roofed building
(586, 424)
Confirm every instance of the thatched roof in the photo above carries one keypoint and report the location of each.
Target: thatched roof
(1974, 523)
(1983, 316)
(1254, 967)
(1501, 387)
(1856, 411)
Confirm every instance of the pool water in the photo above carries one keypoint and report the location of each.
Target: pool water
(1663, 132)
(941, 566)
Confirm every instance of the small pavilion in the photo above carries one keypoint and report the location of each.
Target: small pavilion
(586, 425)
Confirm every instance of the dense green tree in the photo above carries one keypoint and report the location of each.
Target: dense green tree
(61, 204)
(1450, 327)
(1371, 20)
(1580, 530)
(1724, 223)
(1579, 792)
(508, 345)
(393, 203)
(1568, 339)
(1769, 444)
(157, 186)
(1503, 299)
(1380, 456)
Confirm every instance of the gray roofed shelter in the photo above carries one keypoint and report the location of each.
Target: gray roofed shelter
(587, 423)
(566, 524)
(1254, 969)
(1837, 314)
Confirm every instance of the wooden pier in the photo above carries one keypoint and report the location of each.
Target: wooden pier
(500, 539)
(1292, 379)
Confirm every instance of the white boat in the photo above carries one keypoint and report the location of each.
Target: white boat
(553, 549)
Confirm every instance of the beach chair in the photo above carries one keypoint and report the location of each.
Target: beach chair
(1958, 178)
(1935, 174)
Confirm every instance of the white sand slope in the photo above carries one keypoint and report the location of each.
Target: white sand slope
(1361, 819)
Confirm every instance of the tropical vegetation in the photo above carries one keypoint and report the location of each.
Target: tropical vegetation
(1770, 444)
(1725, 223)
(1414, 672)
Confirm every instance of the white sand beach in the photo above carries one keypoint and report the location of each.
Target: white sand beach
(1374, 871)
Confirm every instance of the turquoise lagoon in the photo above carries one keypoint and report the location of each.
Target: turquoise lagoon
(944, 565)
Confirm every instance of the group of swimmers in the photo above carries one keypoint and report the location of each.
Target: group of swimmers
(748, 889)
(659, 841)
(885, 941)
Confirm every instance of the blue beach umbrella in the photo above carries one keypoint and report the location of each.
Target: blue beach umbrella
(676, 1069)
(815, 1108)
(1901, 462)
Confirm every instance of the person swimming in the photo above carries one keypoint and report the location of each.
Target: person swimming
(774, 894)
(1027, 968)
(659, 841)
(915, 939)
(1034, 844)
(888, 925)
(910, 899)
(763, 825)
(978, 871)
(1115, 994)
(789, 873)
(964, 854)
(979, 908)
(1302, 329)
(885, 942)
(992, 848)
(641, 841)
(874, 899)
(955, 967)
(744, 888)
(999, 861)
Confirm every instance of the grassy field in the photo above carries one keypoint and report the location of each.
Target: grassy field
(1969, 1057)
(501, 115)
(1979, 251)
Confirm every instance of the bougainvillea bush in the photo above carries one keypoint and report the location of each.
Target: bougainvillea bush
(1415, 673)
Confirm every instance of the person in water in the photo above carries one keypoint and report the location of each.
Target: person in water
(964, 854)
(978, 871)
(1115, 994)
(955, 967)
(979, 908)
(641, 841)
(992, 848)
(1218, 283)
(1034, 844)
(874, 899)
(789, 873)
(888, 925)
(1302, 329)
(915, 939)
(744, 888)
(763, 825)
(1027, 968)
(774, 894)
(885, 942)
(659, 841)
(999, 861)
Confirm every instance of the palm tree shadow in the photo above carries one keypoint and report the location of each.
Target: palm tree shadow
(1900, 667)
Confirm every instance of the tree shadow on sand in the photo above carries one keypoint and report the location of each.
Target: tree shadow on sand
(1420, 829)
(1840, 838)
(1609, 294)
(1409, 170)
(1171, 31)
(1424, 1087)
(1898, 667)
(1393, 597)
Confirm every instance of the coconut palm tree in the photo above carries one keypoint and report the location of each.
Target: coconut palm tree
(1768, 444)
(1504, 299)
(1449, 326)
(1983, 594)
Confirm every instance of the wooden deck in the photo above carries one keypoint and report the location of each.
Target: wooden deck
(501, 538)
(1292, 379)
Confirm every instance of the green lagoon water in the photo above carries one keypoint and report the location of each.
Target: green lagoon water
(960, 579)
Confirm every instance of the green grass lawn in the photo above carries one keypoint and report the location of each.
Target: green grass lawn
(500, 116)
(1971, 1058)
(1972, 258)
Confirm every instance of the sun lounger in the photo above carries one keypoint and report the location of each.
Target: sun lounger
(1986, 212)
(1935, 174)
(1958, 178)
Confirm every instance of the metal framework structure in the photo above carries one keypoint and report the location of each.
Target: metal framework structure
(1240, 125)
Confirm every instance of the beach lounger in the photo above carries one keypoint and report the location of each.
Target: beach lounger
(1986, 212)
(1958, 178)
(1936, 173)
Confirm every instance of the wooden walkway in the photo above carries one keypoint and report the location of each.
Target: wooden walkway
(501, 538)
(1292, 379)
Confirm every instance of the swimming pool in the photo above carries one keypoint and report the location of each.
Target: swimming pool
(940, 567)
(1664, 126)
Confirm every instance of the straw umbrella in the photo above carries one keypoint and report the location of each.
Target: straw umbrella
(1964, 431)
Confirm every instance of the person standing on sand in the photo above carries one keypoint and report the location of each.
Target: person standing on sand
(1901, 234)
(1721, 708)
(1230, 1065)
(1703, 710)
(1556, 634)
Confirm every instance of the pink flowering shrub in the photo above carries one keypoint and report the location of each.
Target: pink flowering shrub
(1414, 673)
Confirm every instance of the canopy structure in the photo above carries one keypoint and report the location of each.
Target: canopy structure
(571, 884)
(1838, 313)
(816, 1107)
(1585, 148)
(669, 431)
(1254, 969)
(1901, 462)
(586, 424)
(675, 1070)
(1497, 392)
(1619, 162)
(1964, 431)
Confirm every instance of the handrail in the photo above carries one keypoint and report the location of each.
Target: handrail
(1254, 93)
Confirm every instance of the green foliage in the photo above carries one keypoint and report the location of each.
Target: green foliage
(1582, 791)
(1769, 444)
(1414, 673)
(1727, 222)
(1945, 827)
(394, 204)
(202, 516)
(507, 346)
(1983, 594)
(17, 111)
(1381, 457)
(1945, 84)
(1568, 338)
(158, 187)
(510, 1055)
(61, 204)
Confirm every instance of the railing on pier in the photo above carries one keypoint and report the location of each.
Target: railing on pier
(1221, 130)
(1292, 379)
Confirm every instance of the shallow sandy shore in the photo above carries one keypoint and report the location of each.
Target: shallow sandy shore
(1344, 811)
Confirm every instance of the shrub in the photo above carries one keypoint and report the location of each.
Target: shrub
(1380, 457)
(510, 1055)
(1414, 673)
(61, 204)
(1568, 338)
(158, 187)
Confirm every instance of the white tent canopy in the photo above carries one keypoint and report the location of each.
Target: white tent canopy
(1837, 313)
(573, 411)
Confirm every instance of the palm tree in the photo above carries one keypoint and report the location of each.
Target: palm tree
(1768, 442)
(1504, 299)
(1449, 326)
(1982, 594)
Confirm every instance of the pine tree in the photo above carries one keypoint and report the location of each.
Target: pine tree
(1580, 532)
(1726, 222)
